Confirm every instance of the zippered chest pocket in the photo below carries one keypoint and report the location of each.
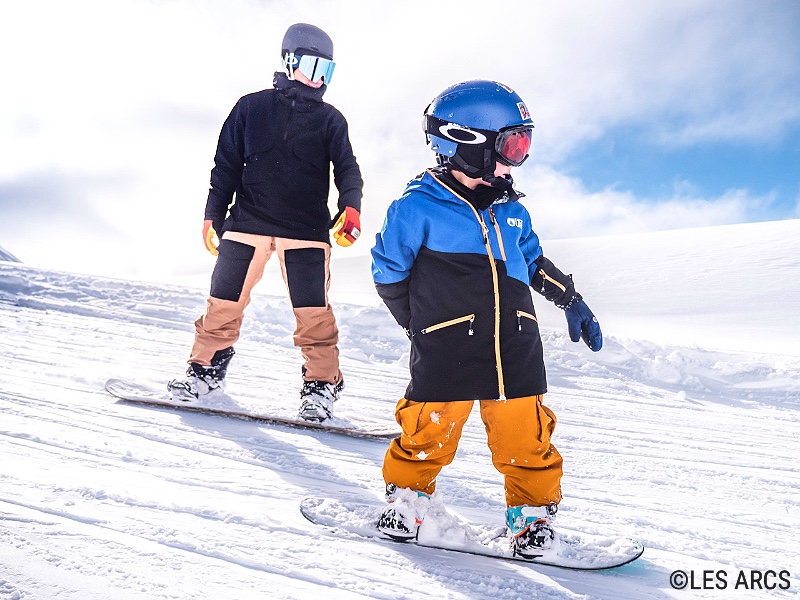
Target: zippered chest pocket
(450, 323)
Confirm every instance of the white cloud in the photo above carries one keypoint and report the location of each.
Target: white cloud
(689, 71)
(101, 88)
(562, 208)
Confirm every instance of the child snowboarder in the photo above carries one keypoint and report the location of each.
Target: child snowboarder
(454, 262)
(274, 154)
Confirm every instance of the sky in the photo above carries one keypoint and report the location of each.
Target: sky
(648, 116)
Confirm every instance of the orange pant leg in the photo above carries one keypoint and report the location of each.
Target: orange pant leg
(428, 442)
(518, 432)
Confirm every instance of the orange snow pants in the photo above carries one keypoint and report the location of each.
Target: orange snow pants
(305, 266)
(518, 432)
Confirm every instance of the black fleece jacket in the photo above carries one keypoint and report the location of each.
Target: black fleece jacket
(274, 153)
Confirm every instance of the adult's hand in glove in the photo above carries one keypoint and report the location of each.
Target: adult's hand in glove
(347, 227)
(583, 324)
(210, 237)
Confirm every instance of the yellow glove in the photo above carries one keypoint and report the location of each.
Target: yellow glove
(347, 227)
(210, 237)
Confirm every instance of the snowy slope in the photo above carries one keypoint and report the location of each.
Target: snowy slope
(690, 447)
(728, 287)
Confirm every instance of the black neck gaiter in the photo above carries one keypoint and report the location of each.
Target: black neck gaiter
(482, 197)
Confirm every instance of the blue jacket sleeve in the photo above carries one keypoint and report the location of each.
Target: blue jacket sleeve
(396, 248)
(529, 245)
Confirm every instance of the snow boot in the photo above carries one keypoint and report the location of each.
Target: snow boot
(200, 380)
(403, 515)
(317, 398)
(532, 530)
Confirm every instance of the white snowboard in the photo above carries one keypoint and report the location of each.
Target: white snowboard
(440, 529)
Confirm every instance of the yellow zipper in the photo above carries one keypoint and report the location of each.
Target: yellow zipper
(495, 282)
(551, 280)
(499, 235)
(522, 313)
(469, 318)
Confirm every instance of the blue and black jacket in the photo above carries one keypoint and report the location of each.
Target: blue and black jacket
(458, 279)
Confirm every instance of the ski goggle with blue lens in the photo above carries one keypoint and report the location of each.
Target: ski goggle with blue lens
(313, 67)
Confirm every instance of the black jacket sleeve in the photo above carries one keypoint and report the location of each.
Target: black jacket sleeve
(346, 173)
(554, 285)
(226, 176)
(395, 297)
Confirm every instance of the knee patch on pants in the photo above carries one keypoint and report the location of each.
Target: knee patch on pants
(305, 277)
(231, 269)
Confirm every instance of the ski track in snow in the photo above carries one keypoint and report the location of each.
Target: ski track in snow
(692, 451)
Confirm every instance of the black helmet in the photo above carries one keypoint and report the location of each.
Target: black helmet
(304, 39)
(475, 123)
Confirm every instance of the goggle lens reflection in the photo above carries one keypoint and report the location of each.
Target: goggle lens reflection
(313, 67)
(514, 145)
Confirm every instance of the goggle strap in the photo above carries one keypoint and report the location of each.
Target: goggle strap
(288, 63)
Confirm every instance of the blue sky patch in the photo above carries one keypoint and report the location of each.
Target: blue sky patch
(626, 159)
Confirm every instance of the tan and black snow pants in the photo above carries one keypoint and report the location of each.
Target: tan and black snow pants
(305, 266)
(518, 432)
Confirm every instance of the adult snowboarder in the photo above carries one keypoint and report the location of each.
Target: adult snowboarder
(269, 194)
(454, 263)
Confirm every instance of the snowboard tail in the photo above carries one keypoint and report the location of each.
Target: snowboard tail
(575, 551)
(220, 404)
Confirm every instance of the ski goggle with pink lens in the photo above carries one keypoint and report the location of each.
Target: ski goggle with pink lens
(313, 67)
(512, 145)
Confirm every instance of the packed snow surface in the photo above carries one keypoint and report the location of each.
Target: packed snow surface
(683, 432)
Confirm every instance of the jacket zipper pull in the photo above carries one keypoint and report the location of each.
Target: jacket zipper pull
(519, 321)
(484, 229)
(471, 332)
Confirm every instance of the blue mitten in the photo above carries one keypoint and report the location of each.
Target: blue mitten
(583, 324)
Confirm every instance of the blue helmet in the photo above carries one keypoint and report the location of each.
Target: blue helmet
(474, 124)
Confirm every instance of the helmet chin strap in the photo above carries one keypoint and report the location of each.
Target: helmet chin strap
(504, 183)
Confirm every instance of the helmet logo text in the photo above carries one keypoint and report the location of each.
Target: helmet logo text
(523, 110)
